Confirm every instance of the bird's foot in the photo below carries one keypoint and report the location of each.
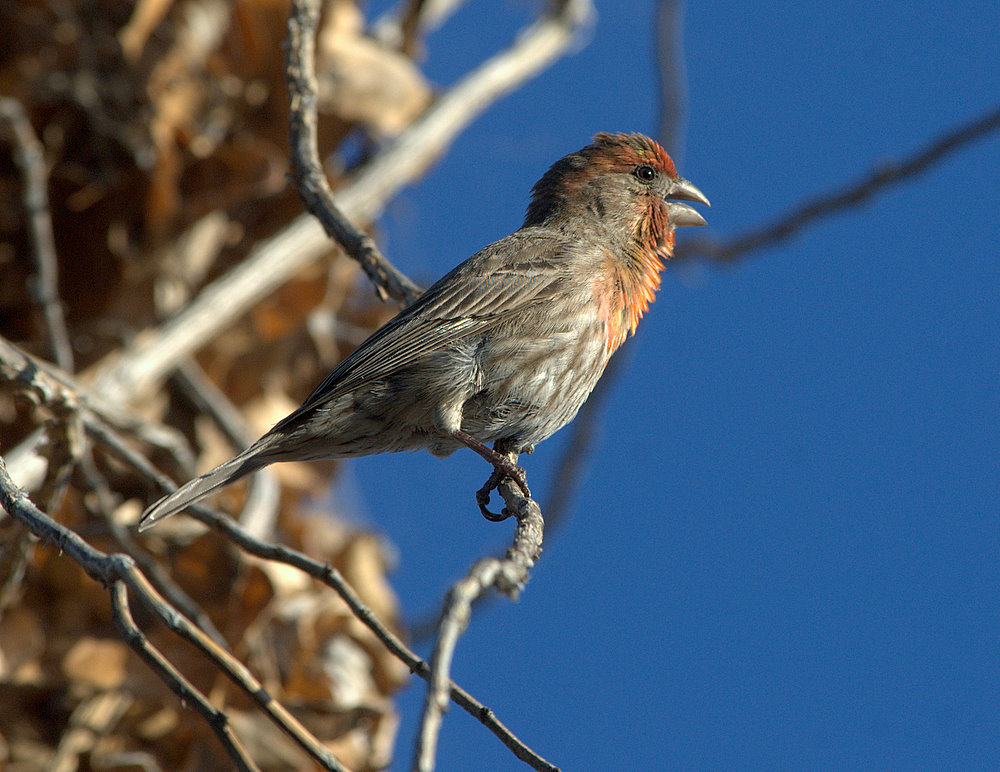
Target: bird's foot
(500, 475)
(504, 466)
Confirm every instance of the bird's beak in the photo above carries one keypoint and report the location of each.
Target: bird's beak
(681, 214)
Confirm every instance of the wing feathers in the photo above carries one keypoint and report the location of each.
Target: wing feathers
(476, 296)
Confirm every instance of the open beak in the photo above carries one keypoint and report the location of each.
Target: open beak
(682, 214)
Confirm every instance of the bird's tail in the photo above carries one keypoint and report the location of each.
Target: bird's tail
(250, 460)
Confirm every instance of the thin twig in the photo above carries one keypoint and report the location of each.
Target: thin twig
(160, 665)
(59, 393)
(219, 655)
(110, 571)
(63, 452)
(209, 399)
(233, 669)
(508, 575)
(30, 157)
(306, 166)
(122, 536)
(879, 179)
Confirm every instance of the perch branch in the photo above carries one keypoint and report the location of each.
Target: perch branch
(509, 576)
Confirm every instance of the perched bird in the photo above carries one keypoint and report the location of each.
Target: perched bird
(507, 346)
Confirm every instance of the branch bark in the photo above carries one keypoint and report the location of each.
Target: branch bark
(30, 157)
(308, 171)
(508, 575)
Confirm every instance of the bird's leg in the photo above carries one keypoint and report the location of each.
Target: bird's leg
(504, 461)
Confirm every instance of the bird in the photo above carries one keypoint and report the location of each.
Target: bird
(507, 346)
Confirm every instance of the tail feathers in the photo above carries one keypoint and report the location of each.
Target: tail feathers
(250, 460)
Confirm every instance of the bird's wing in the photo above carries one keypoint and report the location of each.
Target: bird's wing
(482, 292)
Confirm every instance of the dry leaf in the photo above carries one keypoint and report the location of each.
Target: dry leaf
(97, 663)
(362, 80)
(22, 642)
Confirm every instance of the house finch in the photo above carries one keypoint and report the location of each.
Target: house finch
(507, 346)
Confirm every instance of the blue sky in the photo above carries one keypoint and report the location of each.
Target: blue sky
(783, 552)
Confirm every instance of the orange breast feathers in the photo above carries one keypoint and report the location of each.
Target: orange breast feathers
(628, 284)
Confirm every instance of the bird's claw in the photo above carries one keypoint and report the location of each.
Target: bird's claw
(516, 475)
(483, 498)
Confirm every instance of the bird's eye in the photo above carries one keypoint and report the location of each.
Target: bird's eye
(645, 172)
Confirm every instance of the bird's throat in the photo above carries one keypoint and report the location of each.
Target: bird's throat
(627, 287)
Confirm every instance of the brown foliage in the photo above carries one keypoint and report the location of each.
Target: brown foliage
(164, 127)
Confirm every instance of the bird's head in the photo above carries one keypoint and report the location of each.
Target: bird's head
(625, 181)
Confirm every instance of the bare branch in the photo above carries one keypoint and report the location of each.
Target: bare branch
(876, 181)
(60, 394)
(307, 168)
(160, 665)
(116, 571)
(233, 669)
(333, 579)
(110, 570)
(508, 575)
(124, 539)
(45, 285)
(73, 410)
(324, 572)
